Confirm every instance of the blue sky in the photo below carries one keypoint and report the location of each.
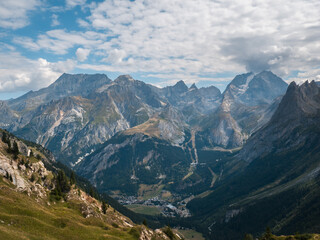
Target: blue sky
(160, 42)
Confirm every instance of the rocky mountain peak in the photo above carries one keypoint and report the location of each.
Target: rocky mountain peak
(296, 116)
(65, 85)
(299, 101)
(124, 79)
(180, 87)
(66, 79)
(193, 86)
(250, 89)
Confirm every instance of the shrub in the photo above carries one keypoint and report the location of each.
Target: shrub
(134, 232)
(168, 231)
(115, 225)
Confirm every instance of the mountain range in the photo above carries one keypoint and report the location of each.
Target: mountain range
(221, 160)
(274, 179)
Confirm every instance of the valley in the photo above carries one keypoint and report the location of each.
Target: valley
(185, 156)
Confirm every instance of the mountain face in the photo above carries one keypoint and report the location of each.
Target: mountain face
(247, 103)
(7, 116)
(251, 90)
(194, 103)
(78, 112)
(72, 126)
(297, 112)
(30, 210)
(81, 114)
(274, 179)
(66, 85)
(136, 160)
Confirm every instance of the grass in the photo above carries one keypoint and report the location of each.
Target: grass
(189, 234)
(150, 191)
(150, 128)
(21, 217)
(298, 237)
(148, 210)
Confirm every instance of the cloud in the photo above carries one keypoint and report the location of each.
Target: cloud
(14, 14)
(82, 54)
(313, 74)
(55, 22)
(19, 73)
(207, 36)
(83, 23)
(73, 3)
(60, 41)
(190, 39)
(115, 56)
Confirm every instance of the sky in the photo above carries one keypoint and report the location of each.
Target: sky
(206, 42)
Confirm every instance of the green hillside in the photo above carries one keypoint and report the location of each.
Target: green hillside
(36, 203)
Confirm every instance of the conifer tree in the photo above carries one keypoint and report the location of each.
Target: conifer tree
(91, 193)
(9, 150)
(4, 137)
(104, 207)
(248, 237)
(15, 150)
(145, 222)
(62, 182)
(72, 178)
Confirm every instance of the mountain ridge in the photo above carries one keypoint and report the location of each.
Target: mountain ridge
(278, 166)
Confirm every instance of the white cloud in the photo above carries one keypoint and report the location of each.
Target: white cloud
(60, 41)
(207, 36)
(115, 56)
(312, 74)
(191, 38)
(73, 3)
(55, 22)
(20, 73)
(83, 23)
(82, 54)
(14, 14)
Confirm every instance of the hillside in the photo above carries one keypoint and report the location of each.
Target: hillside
(31, 209)
(274, 180)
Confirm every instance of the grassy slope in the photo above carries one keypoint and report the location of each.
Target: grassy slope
(22, 217)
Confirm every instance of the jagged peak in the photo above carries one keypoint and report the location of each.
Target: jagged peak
(298, 100)
(193, 86)
(292, 85)
(181, 82)
(181, 86)
(305, 86)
